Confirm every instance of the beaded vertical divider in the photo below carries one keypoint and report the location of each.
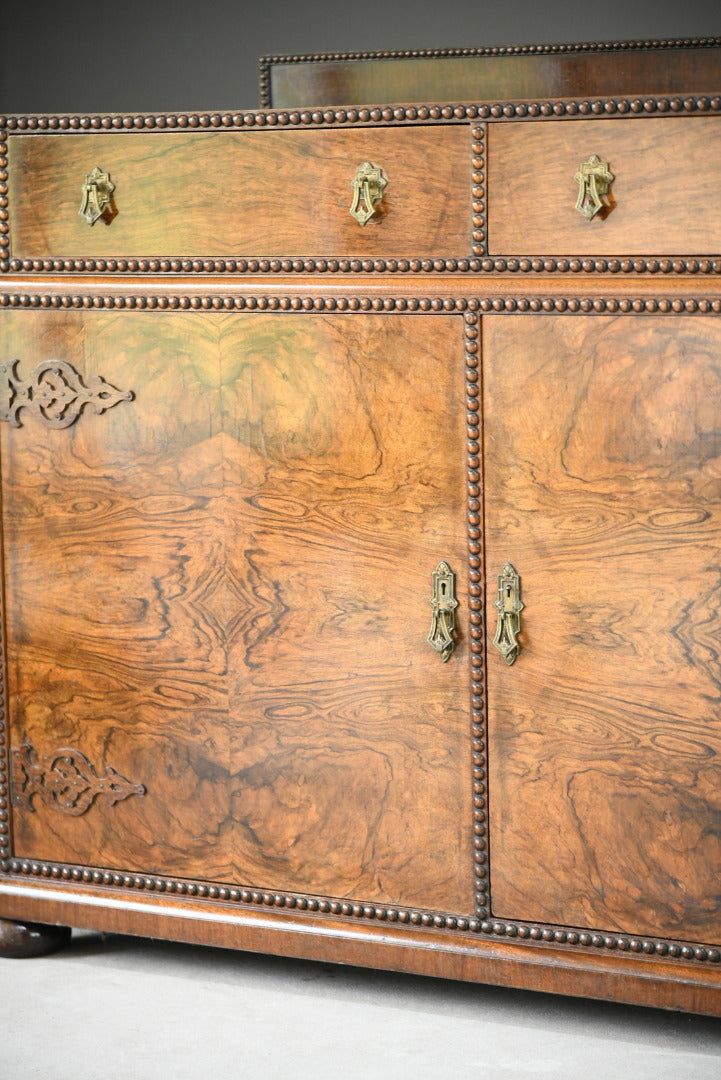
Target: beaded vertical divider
(472, 330)
(4, 212)
(478, 179)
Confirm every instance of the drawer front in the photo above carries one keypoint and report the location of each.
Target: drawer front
(663, 199)
(242, 194)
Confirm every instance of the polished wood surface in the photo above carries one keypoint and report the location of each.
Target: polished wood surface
(257, 193)
(603, 441)
(225, 489)
(111, 527)
(621, 977)
(221, 590)
(662, 200)
(377, 78)
(349, 733)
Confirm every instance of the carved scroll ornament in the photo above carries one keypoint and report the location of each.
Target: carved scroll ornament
(54, 392)
(65, 780)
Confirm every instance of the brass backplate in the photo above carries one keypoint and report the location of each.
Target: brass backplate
(509, 606)
(97, 197)
(444, 604)
(368, 185)
(593, 179)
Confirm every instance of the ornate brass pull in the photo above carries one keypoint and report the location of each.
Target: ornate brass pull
(509, 614)
(444, 606)
(97, 197)
(593, 179)
(368, 186)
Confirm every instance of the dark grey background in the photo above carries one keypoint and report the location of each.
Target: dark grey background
(139, 55)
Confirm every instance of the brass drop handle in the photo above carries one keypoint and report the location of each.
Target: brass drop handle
(368, 185)
(509, 607)
(97, 196)
(593, 179)
(444, 604)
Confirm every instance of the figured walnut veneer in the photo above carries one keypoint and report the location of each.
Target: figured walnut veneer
(602, 441)
(662, 200)
(217, 592)
(192, 530)
(242, 194)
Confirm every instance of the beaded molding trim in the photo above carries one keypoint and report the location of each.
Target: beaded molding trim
(476, 606)
(541, 934)
(266, 62)
(407, 114)
(4, 212)
(611, 305)
(367, 116)
(478, 191)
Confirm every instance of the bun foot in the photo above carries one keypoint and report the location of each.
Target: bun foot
(23, 939)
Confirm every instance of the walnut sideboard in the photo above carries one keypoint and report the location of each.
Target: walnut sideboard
(362, 581)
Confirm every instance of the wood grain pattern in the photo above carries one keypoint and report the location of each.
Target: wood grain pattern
(603, 452)
(112, 528)
(492, 78)
(663, 199)
(352, 740)
(223, 593)
(271, 193)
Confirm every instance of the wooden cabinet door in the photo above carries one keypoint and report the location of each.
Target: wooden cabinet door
(603, 490)
(218, 593)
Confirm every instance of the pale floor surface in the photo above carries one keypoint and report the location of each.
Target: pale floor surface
(132, 1009)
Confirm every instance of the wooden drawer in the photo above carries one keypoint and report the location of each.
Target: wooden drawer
(234, 193)
(663, 199)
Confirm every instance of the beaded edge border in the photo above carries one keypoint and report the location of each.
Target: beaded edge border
(611, 305)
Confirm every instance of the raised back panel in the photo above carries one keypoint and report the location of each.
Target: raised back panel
(495, 74)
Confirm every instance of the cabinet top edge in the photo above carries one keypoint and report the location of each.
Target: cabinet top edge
(648, 44)
(388, 115)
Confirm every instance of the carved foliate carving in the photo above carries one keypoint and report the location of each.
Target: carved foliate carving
(65, 780)
(54, 392)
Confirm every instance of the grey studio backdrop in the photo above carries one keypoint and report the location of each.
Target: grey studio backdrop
(85, 56)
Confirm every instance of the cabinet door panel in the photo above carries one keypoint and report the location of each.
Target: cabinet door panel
(603, 487)
(345, 489)
(219, 590)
